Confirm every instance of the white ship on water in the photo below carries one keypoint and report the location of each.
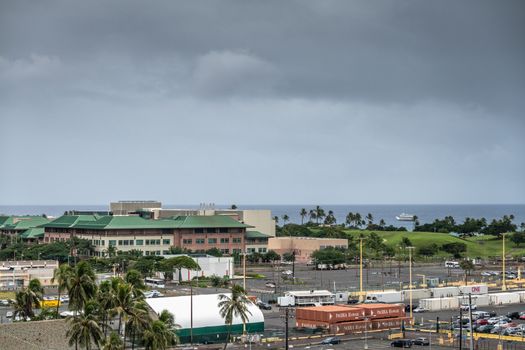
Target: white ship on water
(406, 217)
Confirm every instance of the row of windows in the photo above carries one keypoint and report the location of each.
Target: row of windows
(211, 240)
(253, 250)
(125, 242)
(211, 230)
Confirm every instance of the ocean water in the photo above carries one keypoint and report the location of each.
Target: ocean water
(425, 213)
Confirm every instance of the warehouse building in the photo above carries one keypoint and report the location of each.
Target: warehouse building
(208, 325)
(304, 246)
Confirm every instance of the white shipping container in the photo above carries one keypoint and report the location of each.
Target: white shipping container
(386, 297)
(522, 296)
(474, 289)
(478, 300)
(445, 292)
(417, 294)
(437, 304)
(504, 298)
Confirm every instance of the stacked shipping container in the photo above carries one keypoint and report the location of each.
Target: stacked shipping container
(351, 319)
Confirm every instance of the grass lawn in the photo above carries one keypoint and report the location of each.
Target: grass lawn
(482, 246)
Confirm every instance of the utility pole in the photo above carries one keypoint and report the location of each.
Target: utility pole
(470, 321)
(286, 328)
(504, 276)
(293, 266)
(361, 268)
(460, 328)
(410, 280)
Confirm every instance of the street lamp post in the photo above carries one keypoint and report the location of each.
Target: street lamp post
(410, 279)
(361, 268)
(504, 282)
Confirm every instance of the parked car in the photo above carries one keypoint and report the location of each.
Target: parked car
(353, 301)
(419, 309)
(287, 272)
(401, 343)
(4, 302)
(407, 307)
(421, 341)
(9, 314)
(522, 315)
(270, 284)
(264, 306)
(485, 328)
(331, 340)
(482, 321)
(513, 315)
(64, 299)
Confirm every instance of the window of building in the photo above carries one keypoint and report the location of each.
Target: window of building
(262, 250)
(199, 240)
(119, 242)
(212, 240)
(211, 230)
(237, 251)
(237, 240)
(198, 230)
(223, 230)
(112, 243)
(187, 241)
(139, 242)
(165, 252)
(225, 240)
(166, 242)
(225, 251)
(251, 250)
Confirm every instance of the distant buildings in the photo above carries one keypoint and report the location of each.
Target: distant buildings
(303, 246)
(17, 274)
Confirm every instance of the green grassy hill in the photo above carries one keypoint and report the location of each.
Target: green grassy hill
(482, 246)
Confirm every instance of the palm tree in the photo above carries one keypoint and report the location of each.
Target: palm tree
(27, 299)
(84, 330)
(61, 276)
(124, 303)
(276, 219)
(370, 218)
(382, 223)
(106, 300)
(319, 213)
(113, 342)
(232, 306)
(303, 214)
(81, 286)
(169, 320)
(312, 215)
(157, 336)
(138, 320)
(285, 218)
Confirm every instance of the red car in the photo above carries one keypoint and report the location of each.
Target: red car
(522, 315)
(482, 322)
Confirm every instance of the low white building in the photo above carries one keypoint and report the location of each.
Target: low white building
(17, 274)
(210, 265)
(307, 298)
(202, 312)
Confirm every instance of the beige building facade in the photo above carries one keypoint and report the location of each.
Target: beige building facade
(303, 246)
(17, 274)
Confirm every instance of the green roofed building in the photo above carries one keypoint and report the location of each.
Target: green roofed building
(152, 237)
(256, 242)
(15, 225)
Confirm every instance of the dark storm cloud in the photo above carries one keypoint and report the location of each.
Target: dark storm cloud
(433, 92)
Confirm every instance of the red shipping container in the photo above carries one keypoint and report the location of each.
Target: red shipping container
(376, 311)
(350, 327)
(330, 313)
(389, 323)
(310, 324)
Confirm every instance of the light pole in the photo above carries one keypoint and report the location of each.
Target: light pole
(361, 268)
(410, 279)
(504, 282)
(366, 333)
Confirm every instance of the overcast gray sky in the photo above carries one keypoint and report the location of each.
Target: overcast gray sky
(273, 102)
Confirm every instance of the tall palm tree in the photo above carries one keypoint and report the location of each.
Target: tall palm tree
(124, 303)
(61, 276)
(303, 214)
(81, 286)
(319, 213)
(157, 336)
(232, 306)
(169, 320)
(138, 321)
(84, 330)
(113, 342)
(312, 215)
(285, 218)
(370, 218)
(106, 300)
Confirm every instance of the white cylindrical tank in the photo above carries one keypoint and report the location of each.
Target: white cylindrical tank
(444, 292)
(437, 304)
(474, 289)
(504, 298)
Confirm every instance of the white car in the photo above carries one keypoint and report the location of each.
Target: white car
(64, 299)
(419, 309)
(287, 272)
(465, 307)
(270, 284)
(4, 302)
(70, 313)
(9, 314)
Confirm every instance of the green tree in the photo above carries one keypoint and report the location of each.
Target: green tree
(82, 286)
(271, 256)
(467, 266)
(405, 242)
(328, 255)
(137, 321)
(370, 218)
(124, 303)
(319, 213)
(382, 223)
(106, 300)
(134, 277)
(158, 336)
(303, 214)
(428, 250)
(285, 218)
(454, 248)
(289, 257)
(518, 238)
(113, 342)
(232, 306)
(84, 330)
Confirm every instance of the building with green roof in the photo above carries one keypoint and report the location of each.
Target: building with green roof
(15, 225)
(152, 237)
